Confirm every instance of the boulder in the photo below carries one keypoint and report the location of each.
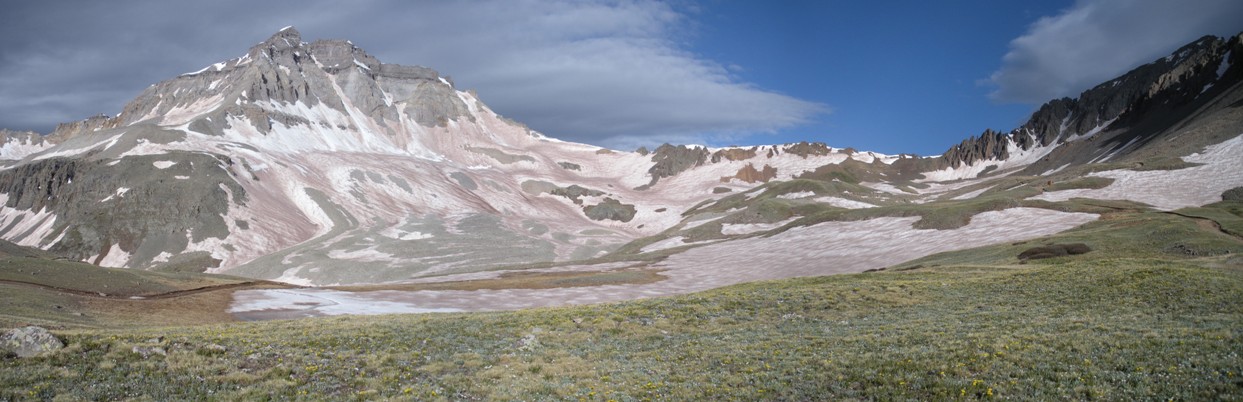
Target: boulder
(1234, 194)
(29, 341)
(1054, 250)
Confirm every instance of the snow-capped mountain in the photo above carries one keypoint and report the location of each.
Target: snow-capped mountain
(316, 163)
(296, 157)
(1112, 119)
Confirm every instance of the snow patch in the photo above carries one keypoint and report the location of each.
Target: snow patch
(367, 254)
(795, 196)
(120, 193)
(163, 164)
(676, 241)
(748, 228)
(324, 302)
(843, 202)
(162, 258)
(1173, 189)
(1055, 170)
(1225, 64)
(972, 194)
(116, 257)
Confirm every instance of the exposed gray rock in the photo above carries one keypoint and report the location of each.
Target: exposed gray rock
(734, 154)
(1167, 86)
(805, 149)
(1054, 250)
(501, 156)
(29, 341)
(574, 191)
(1234, 194)
(610, 209)
(989, 145)
(102, 203)
(673, 159)
(464, 180)
(65, 131)
(569, 166)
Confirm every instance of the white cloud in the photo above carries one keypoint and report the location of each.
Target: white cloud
(603, 72)
(1096, 40)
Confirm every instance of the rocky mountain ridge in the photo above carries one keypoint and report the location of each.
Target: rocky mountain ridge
(1199, 70)
(315, 163)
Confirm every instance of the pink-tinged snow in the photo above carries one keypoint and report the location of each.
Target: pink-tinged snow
(20, 148)
(843, 202)
(869, 157)
(972, 194)
(1055, 170)
(676, 241)
(32, 230)
(116, 257)
(883, 187)
(324, 155)
(823, 249)
(1222, 170)
(64, 150)
(748, 228)
(795, 196)
(182, 114)
(395, 233)
(328, 302)
(1018, 158)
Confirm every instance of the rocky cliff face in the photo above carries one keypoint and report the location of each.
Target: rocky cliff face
(1198, 70)
(317, 163)
(17, 144)
(129, 211)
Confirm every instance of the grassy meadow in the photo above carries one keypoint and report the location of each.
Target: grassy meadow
(1153, 312)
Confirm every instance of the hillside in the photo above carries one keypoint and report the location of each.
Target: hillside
(1107, 324)
(1091, 253)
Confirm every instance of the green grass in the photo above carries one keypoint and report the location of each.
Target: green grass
(1107, 329)
(1138, 318)
(83, 277)
(1155, 235)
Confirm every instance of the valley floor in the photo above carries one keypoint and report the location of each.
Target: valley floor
(1151, 312)
(1086, 329)
(823, 249)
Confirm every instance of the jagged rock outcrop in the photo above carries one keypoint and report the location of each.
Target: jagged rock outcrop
(283, 70)
(989, 145)
(733, 154)
(610, 209)
(749, 174)
(315, 163)
(805, 149)
(673, 159)
(1170, 84)
(575, 192)
(131, 206)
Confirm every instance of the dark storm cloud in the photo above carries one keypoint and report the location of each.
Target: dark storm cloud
(1097, 40)
(602, 72)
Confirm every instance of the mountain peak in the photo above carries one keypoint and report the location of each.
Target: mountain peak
(284, 39)
(288, 35)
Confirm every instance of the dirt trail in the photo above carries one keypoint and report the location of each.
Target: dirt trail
(1209, 225)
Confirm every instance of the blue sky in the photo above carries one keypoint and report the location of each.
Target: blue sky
(886, 76)
(896, 77)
